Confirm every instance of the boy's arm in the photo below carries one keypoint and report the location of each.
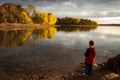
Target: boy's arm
(94, 54)
(86, 53)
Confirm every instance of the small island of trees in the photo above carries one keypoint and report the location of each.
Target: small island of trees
(75, 21)
(16, 14)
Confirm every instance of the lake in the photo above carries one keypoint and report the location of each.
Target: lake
(54, 50)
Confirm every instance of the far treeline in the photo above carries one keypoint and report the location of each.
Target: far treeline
(12, 13)
(75, 21)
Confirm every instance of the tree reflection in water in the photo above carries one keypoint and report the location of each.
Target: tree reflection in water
(76, 28)
(42, 34)
(14, 38)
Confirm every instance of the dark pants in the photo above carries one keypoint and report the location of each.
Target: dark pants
(88, 69)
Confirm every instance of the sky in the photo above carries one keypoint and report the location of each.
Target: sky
(102, 11)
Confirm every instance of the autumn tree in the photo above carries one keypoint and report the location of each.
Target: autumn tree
(75, 21)
(43, 18)
(30, 9)
(11, 13)
(51, 18)
(39, 17)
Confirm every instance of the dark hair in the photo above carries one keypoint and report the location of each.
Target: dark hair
(91, 42)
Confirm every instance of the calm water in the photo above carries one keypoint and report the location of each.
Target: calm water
(59, 49)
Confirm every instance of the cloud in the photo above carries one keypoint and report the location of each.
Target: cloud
(74, 8)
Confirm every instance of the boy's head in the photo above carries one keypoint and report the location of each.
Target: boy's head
(91, 43)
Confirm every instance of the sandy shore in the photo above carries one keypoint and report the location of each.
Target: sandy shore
(99, 73)
(13, 72)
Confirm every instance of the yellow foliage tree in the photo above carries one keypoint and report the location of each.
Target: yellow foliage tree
(43, 18)
(26, 18)
(39, 17)
(51, 18)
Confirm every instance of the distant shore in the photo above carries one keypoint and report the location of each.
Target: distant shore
(109, 24)
(14, 26)
(76, 25)
(8, 26)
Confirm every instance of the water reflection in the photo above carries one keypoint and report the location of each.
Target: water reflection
(42, 34)
(49, 56)
(76, 28)
(106, 39)
(15, 38)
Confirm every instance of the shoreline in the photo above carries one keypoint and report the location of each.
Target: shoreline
(22, 26)
(14, 26)
(77, 25)
(109, 24)
(33, 72)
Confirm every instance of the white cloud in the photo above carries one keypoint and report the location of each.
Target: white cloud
(96, 9)
(69, 4)
(110, 20)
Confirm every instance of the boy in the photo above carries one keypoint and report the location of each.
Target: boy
(89, 58)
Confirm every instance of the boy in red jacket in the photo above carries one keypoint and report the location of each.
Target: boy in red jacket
(89, 58)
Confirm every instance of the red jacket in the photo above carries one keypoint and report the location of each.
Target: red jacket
(90, 55)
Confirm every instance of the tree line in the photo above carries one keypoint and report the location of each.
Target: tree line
(12, 13)
(75, 21)
(15, 13)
